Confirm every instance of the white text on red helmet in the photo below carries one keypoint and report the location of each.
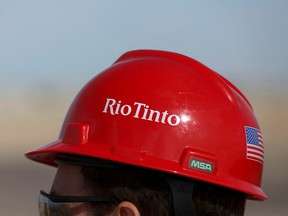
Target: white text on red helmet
(140, 110)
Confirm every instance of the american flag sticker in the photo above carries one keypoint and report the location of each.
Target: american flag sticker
(254, 142)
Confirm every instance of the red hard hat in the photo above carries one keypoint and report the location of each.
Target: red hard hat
(166, 112)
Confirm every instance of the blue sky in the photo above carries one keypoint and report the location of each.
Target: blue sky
(65, 43)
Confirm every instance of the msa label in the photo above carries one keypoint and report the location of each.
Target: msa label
(201, 165)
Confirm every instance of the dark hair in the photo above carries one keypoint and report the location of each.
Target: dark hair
(140, 188)
(151, 194)
(213, 200)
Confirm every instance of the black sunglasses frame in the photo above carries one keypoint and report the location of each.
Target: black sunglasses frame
(71, 199)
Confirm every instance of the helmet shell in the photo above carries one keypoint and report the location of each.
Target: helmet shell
(166, 112)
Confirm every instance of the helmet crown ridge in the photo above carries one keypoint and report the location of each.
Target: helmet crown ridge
(167, 112)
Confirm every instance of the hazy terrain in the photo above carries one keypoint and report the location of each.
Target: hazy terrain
(30, 119)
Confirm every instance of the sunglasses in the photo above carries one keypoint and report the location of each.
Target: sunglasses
(50, 205)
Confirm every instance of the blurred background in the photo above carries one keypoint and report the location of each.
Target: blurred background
(50, 49)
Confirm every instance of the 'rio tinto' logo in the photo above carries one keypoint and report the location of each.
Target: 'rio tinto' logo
(141, 111)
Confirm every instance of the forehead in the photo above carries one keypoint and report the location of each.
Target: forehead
(68, 181)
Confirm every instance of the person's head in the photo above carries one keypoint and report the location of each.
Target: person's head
(130, 189)
(157, 133)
